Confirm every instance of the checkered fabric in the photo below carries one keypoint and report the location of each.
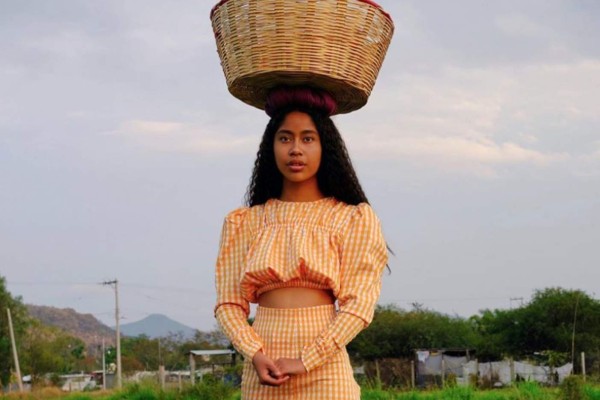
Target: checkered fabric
(325, 244)
(286, 332)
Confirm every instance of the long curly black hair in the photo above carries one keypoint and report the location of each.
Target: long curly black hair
(336, 176)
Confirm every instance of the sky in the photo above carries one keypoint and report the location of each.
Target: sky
(121, 151)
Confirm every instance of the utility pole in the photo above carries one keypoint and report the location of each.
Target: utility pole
(519, 299)
(14, 349)
(103, 365)
(115, 285)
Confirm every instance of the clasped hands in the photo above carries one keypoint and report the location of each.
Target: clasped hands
(275, 373)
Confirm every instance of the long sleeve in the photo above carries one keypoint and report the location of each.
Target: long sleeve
(232, 309)
(363, 258)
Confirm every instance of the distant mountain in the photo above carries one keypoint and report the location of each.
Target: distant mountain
(157, 325)
(84, 326)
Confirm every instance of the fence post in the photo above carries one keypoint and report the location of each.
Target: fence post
(443, 372)
(583, 365)
(161, 376)
(377, 373)
(512, 371)
(412, 374)
(192, 368)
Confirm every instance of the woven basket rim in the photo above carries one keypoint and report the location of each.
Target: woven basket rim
(348, 72)
(370, 2)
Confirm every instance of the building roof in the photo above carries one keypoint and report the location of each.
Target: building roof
(211, 352)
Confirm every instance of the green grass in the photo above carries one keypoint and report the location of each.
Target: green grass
(592, 392)
(526, 391)
(219, 391)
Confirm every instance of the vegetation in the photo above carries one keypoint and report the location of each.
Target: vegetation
(19, 317)
(42, 349)
(553, 328)
(397, 333)
(45, 349)
(214, 390)
(546, 323)
(142, 353)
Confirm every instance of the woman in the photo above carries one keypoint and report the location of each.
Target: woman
(307, 238)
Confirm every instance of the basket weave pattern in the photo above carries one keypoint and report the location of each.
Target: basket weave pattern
(335, 45)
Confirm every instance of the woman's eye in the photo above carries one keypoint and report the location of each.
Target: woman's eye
(284, 139)
(309, 139)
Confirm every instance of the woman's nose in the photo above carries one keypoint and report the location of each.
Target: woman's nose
(295, 149)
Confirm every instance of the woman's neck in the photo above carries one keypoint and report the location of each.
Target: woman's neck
(299, 192)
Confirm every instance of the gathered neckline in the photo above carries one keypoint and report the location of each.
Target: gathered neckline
(322, 200)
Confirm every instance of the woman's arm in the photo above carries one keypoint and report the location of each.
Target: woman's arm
(232, 310)
(363, 259)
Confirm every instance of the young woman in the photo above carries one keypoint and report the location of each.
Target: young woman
(307, 239)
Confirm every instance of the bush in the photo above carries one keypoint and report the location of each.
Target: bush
(572, 388)
(532, 390)
(592, 392)
(204, 390)
(136, 392)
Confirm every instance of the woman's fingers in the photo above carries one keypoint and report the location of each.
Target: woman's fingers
(268, 373)
(290, 366)
(267, 379)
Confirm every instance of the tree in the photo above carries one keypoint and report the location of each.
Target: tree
(546, 324)
(139, 353)
(19, 320)
(145, 353)
(48, 349)
(397, 333)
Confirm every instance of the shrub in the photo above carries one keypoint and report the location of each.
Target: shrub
(208, 390)
(572, 388)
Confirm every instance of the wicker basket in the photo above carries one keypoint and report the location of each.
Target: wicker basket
(335, 45)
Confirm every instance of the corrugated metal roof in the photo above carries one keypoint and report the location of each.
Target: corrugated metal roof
(211, 352)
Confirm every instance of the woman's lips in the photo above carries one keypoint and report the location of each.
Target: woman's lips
(296, 166)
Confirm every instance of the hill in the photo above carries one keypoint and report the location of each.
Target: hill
(84, 326)
(157, 325)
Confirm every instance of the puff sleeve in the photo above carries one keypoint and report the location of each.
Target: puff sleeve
(363, 256)
(232, 310)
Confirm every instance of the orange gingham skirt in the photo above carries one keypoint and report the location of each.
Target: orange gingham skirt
(285, 332)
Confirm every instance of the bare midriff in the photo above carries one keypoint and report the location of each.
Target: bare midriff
(295, 297)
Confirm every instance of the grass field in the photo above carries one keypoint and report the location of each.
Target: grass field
(217, 391)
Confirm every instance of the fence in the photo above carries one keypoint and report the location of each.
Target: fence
(437, 367)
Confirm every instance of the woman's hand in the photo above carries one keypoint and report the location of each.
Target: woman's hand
(290, 366)
(268, 373)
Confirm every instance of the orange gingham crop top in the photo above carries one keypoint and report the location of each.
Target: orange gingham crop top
(323, 244)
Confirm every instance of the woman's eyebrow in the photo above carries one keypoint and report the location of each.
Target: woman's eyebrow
(304, 132)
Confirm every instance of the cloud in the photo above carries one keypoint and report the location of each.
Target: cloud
(197, 138)
(588, 165)
(481, 120)
(455, 149)
(456, 120)
(521, 25)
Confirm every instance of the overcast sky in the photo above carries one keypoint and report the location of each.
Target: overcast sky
(121, 151)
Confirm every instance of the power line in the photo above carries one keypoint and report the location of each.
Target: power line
(451, 299)
(519, 299)
(196, 291)
(123, 284)
(50, 283)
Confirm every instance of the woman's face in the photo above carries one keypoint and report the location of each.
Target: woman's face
(297, 149)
